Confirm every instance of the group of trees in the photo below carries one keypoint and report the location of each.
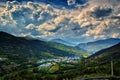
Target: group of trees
(85, 68)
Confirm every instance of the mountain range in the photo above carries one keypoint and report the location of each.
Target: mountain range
(19, 51)
(111, 52)
(105, 62)
(95, 24)
(62, 42)
(32, 47)
(96, 46)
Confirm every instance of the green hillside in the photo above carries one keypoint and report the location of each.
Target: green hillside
(17, 53)
(100, 63)
(19, 56)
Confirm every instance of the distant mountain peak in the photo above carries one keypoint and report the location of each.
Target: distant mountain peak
(62, 42)
(95, 46)
(108, 51)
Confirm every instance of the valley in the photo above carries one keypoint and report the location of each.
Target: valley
(59, 40)
(26, 58)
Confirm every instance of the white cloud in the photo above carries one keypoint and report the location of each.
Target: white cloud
(30, 26)
(115, 35)
(42, 20)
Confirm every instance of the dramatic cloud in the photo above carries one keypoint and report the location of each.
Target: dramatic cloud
(44, 21)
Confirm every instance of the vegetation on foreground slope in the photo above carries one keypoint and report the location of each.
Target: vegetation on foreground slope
(18, 53)
(20, 63)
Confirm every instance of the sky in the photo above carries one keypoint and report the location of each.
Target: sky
(94, 20)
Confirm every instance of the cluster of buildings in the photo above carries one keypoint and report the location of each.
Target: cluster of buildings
(50, 62)
(62, 59)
